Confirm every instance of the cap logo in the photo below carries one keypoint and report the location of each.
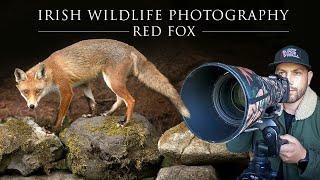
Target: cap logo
(290, 52)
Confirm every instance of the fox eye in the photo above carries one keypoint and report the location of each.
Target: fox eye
(38, 91)
(25, 91)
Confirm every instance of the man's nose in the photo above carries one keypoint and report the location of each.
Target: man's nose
(291, 80)
(31, 106)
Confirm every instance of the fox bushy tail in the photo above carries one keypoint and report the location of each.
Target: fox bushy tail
(148, 74)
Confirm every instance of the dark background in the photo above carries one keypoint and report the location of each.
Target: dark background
(22, 46)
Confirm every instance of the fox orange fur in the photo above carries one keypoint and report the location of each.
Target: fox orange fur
(83, 61)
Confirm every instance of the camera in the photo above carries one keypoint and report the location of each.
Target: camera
(226, 100)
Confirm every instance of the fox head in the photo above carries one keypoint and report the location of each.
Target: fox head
(32, 85)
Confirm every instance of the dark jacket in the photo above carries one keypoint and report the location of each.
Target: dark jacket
(306, 128)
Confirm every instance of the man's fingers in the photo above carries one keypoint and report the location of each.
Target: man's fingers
(286, 148)
(283, 158)
(289, 138)
(285, 136)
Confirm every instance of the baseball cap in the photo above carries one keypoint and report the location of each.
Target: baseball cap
(291, 54)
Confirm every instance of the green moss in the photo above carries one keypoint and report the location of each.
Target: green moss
(61, 165)
(76, 159)
(14, 133)
(19, 126)
(167, 162)
(3, 144)
(17, 134)
(43, 149)
(138, 149)
(135, 130)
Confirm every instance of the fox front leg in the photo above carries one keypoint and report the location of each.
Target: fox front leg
(66, 95)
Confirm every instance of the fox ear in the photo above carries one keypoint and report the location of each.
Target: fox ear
(41, 74)
(20, 75)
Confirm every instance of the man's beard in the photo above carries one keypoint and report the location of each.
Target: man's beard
(298, 95)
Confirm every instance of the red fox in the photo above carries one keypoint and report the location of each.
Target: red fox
(83, 61)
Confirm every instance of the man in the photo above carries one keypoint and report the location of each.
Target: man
(299, 122)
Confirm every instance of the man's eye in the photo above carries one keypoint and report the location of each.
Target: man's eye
(281, 73)
(298, 73)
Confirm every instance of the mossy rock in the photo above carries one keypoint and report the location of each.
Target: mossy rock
(26, 147)
(14, 134)
(99, 149)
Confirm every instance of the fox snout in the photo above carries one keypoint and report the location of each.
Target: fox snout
(31, 98)
(32, 104)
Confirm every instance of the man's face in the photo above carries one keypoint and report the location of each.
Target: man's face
(299, 79)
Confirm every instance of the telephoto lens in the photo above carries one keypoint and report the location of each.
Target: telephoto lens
(225, 100)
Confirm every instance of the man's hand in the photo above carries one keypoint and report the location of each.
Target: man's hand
(293, 151)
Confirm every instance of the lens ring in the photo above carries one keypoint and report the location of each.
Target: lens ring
(222, 100)
(237, 97)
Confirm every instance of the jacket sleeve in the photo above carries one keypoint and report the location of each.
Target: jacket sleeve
(313, 168)
(242, 143)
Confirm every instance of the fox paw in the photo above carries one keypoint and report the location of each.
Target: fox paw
(48, 131)
(87, 115)
(56, 130)
(122, 121)
(105, 114)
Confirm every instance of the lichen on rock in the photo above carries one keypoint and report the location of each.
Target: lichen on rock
(26, 147)
(98, 148)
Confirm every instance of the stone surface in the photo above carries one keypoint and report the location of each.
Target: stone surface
(59, 175)
(99, 149)
(26, 147)
(180, 146)
(187, 173)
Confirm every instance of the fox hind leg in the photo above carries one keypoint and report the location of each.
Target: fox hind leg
(90, 99)
(118, 86)
(114, 107)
